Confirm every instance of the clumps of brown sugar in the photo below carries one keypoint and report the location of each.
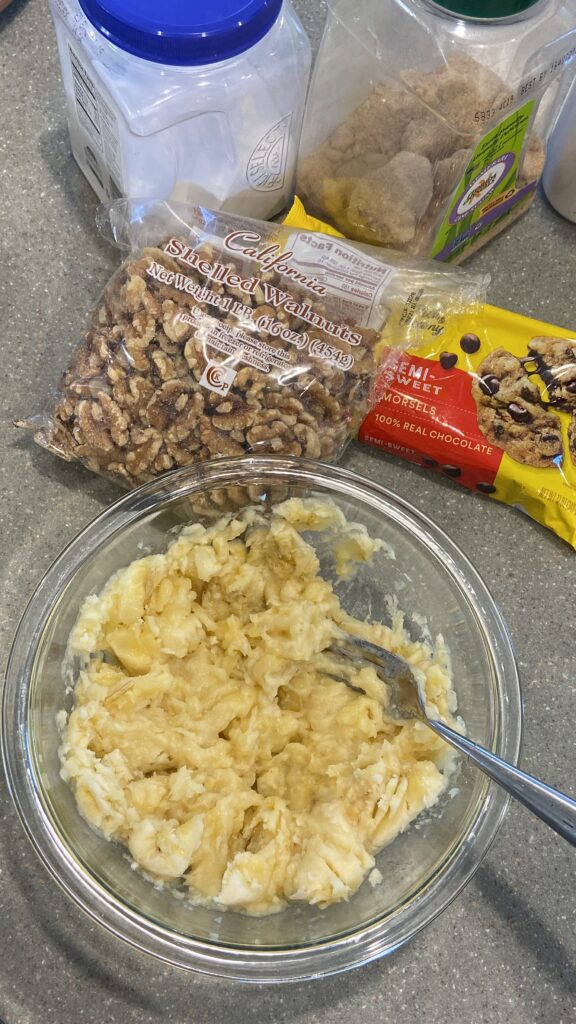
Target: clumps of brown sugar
(385, 174)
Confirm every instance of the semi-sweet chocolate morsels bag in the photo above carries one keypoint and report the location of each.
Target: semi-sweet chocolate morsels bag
(490, 402)
(221, 336)
(491, 405)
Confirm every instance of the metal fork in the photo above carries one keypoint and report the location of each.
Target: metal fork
(407, 700)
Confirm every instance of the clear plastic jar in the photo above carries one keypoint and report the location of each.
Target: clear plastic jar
(434, 138)
(199, 102)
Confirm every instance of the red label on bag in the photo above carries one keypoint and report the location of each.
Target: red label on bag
(426, 413)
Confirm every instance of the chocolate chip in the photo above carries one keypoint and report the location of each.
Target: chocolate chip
(489, 384)
(519, 413)
(552, 439)
(571, 387)
(486, 488)
(430, 463)
(451, 471)
(527, 394)
(470, 343)
(448, 360)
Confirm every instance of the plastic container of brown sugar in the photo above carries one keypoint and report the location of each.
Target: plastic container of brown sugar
(434, 138)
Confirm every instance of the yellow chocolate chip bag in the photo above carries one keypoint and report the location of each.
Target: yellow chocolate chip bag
(488, 400)
(491, 404)
(297, 217)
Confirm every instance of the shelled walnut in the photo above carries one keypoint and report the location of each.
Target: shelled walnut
(138, 399)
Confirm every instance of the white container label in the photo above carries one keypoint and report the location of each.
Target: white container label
(99, 122)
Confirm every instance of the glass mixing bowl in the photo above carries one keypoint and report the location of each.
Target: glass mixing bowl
(423, 869)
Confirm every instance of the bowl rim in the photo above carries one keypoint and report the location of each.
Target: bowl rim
(253, 964)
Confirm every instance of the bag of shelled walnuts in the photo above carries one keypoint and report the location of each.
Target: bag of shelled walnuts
(222, 336)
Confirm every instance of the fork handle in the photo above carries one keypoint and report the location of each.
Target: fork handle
(553, 807)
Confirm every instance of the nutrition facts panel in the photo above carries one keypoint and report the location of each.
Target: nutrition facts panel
(97, 119)
(354, 280)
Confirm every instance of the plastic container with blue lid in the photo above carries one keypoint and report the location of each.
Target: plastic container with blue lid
(190, 101)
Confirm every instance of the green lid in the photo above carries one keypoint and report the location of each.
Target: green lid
(488, 9)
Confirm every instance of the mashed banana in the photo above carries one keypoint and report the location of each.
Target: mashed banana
(207, 737)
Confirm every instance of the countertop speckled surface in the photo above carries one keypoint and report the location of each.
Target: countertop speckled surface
(504, 952)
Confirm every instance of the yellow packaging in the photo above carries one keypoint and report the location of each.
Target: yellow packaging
(298, 218)
(489, 403)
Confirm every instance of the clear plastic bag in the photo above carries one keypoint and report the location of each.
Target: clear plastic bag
(220, 336)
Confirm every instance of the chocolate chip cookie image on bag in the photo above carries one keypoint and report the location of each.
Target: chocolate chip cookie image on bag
(511, 414)
(555, 363)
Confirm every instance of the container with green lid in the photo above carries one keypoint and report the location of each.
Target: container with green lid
(427, 121)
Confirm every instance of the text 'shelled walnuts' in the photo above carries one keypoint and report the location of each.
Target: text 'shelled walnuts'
(133, 404)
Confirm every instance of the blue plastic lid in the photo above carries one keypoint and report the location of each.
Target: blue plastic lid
(183, 31)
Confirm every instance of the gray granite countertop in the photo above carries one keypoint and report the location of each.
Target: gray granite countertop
(504, 952)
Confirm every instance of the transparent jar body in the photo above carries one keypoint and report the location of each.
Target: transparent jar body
(222, 135)
(434, 138)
